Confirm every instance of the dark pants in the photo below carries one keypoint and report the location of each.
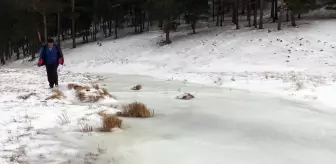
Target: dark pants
(52, 74)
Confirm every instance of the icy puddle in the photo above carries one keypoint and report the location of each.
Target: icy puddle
(219, 126)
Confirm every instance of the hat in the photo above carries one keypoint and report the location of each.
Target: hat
(50, 40)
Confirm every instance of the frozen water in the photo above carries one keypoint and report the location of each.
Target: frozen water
(219, 126)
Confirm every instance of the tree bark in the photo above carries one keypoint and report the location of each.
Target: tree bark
(237, 14)
(287, 15)
(222, 13)
(280, 15)
(249, 12)
(168, 41)
(213, 10)
(193, 26)
(272, 10)
(2, 58)
(116, 23)
(243, 7)
(45, 28)
(293, 18)
(234, 13)
(73, 24)
(276, 10)
(261, 18)
(59, 29)
(255, 12)
(110, 27)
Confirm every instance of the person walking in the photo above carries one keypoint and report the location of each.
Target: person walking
(51, 56)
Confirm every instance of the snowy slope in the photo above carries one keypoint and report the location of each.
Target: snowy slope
(295, 63)
(34, 130)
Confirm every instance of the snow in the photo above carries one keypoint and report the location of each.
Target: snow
(219, 125)
(295, 64)
(38, 131)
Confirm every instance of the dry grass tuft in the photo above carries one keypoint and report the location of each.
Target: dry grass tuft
(136, 109)
(96, 86)
(137, 87)
(88, 94)
(57, 94)
(85, 128)
(83, 95)
(27, 96)
(110, 122)
(77, 87)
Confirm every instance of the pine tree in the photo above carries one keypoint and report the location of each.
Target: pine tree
(196, 10)
(300, 6)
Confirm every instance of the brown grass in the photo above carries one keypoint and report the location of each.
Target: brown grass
(82, 96)
(77, 87)
(136, 109)
(106, 93)
(137, 87)
(110, 122)
(96, 86)
(57, 94)
(98, 93)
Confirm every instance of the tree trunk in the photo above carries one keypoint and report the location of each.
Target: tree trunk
(243, 7)
(213, 10)
(8, 50)
(17, 52)
(168, 41)
(32, 51)
(293, 18)
(287, 15)
(161, 24)
(276, 10)
(261, 18)
(193, 26)
(109, 27)
(116, 24)
(45, 28)
(143, 20)
(237, 14)
(249, 12)
(148, 22)
(59, 29)
(222, 13)
(255, 12)
(280, 15)
(272, 10)
(2, 58)
(73, 24)
(234, 8)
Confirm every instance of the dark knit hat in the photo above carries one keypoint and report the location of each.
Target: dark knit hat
(50, 40)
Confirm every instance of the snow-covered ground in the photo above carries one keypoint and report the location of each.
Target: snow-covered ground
(296, 63)
(36, 130)
(219, 126)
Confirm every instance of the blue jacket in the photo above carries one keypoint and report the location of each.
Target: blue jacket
(50, 56)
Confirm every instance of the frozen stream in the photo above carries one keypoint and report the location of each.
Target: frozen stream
(220, 126)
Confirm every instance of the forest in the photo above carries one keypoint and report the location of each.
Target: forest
(27, 24)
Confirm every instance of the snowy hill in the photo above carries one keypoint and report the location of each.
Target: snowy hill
(295, 63)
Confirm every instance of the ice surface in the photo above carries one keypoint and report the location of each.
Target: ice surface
(219, 126)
